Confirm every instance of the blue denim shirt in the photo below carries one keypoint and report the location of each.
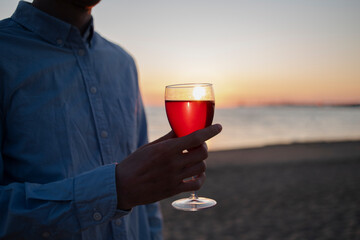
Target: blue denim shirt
(70, 108)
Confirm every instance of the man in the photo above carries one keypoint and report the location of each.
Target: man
(74, 161)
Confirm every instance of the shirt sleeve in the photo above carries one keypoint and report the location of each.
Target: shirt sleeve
(57, 208)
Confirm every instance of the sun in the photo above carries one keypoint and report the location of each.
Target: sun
(199, 93)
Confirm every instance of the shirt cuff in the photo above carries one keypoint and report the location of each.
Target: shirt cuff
(95, 196)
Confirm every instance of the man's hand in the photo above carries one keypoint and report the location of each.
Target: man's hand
(157, 170)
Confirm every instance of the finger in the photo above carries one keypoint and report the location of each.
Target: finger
(192, 185)
(198, 137)
(195, 170)
(193, 156)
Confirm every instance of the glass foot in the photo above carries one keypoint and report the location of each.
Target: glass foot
(193, 204)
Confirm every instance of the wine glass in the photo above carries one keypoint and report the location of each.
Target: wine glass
(190, 107)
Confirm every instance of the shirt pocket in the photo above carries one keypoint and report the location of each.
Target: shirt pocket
(128, 124)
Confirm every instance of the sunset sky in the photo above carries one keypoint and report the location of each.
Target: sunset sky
(254, 52)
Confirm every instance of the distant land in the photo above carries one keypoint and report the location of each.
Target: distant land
(293, 104)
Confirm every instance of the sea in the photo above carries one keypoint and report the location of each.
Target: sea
(256, 126)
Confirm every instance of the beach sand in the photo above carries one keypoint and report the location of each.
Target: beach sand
(296, 191)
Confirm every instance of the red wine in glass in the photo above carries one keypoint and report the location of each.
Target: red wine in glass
(186, 117)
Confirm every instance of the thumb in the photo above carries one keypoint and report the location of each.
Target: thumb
(197, 138)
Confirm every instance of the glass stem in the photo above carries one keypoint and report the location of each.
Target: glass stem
(193, 195)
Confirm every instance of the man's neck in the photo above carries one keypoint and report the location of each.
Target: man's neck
(66, 11)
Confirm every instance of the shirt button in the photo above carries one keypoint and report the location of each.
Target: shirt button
(46, 234)
(93, 90)
(59, 41)
(118, 222)
(81, 52)
(97, 216)
(104, 134)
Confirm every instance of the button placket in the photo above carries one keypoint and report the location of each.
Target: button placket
(96, 104)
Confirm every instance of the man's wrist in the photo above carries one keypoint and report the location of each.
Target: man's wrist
(120, 191)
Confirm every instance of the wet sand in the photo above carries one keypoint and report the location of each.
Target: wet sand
(297, 191)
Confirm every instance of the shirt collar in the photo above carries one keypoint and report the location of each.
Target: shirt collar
(89, 32)
(46, 26)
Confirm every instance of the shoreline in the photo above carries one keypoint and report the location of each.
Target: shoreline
(280, 153)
